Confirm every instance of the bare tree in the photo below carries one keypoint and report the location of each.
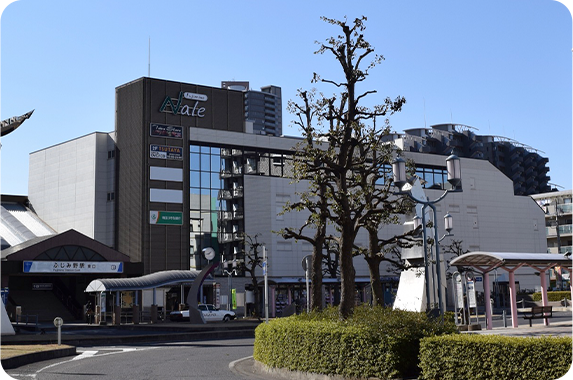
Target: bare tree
(253, 260)
(336, 148)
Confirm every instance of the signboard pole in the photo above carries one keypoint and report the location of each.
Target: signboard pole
(266, 284)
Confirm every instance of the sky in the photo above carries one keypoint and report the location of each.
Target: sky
(503, 67)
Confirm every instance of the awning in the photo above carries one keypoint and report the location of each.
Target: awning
(149, 281)
(497, 259)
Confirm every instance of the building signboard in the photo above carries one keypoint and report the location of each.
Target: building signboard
(166, 152)
(168, 131)
(177, 107)
(166, 217)
(73, 267)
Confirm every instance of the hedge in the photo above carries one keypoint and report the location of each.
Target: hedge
(375, 342)
(552, 296)
(485, 357)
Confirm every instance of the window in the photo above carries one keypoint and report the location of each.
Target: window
(110, 154)
(110, 196)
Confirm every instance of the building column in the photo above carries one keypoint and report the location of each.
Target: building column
(117, 309)
(513, 298)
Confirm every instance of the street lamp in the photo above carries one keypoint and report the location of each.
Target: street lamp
(453, 167)
(230, 273)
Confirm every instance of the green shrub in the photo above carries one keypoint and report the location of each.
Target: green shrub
(375, 342)
(477, 357)
(552, 296)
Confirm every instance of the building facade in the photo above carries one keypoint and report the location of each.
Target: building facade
(558, 208)
(192, 172)
(524, 165)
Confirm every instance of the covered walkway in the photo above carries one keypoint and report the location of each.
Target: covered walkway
(150, 281)
(485, 262)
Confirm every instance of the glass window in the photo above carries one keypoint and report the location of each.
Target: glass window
(194, 161)
(194, 148)
(194, 179)
(205, 179)
(215, 163)
(205, 149)
(215, 181)
(205, 162)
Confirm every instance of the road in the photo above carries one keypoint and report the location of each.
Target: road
(205, 360)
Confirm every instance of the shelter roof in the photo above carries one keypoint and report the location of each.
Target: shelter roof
(497, 259)
(153, 280)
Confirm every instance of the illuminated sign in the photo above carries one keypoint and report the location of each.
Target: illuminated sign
(169, 131)
(177, 107)
(166, 152)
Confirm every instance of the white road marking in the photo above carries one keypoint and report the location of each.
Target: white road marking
(85, 354)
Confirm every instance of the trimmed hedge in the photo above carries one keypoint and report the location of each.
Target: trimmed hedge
(477, 357)
(375, 342)
(552, 296)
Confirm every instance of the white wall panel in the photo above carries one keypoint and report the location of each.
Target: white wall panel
(165, 196)
(166, 174)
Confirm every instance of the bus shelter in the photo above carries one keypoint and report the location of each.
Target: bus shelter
(485, 262)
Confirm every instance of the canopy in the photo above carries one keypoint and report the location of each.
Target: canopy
(497, 259)
(154, 280)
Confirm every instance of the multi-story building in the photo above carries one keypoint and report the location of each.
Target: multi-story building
(263, 109)
(558, 208)
(523, 164)
(191, 172)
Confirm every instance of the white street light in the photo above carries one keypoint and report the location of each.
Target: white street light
(454, 170)
(399, 172)
(448, 223)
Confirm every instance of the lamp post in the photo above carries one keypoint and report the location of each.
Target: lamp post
(454, 178)
(230, 281)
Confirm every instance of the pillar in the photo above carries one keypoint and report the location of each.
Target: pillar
(135, 311)
(117, 310)
(486, 291)
(544, 299)
(513, 297)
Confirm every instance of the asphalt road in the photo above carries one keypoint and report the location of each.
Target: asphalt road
(205, 360)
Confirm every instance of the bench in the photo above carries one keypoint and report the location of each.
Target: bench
(539, 312)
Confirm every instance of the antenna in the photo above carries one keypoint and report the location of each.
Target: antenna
(424, 113)
(149, 58)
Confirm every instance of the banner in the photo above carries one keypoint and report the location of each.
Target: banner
(234, 299)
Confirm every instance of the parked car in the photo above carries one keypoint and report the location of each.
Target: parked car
(210, 313)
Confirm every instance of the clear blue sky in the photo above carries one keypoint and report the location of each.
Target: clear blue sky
(501, 66)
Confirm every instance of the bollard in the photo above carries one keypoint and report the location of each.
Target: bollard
(58, 322)
(504, 320)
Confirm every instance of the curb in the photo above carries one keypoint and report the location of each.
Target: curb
(20, 360)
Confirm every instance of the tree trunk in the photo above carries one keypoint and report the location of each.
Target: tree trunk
(256, 297)
(347, 275)
(375, 282)
(316, 276)
(373, 259)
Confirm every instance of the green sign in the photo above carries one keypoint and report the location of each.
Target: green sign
(166, 217)
(234, 299)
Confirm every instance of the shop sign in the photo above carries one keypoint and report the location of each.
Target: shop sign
(166, 152)
(73, 267)
(166, 217)
(168, 131)
(177, 107)
(42, 286)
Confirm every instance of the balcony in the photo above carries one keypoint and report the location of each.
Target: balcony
(228, 237)
(231, 215)
(563, 250)
(566, 229)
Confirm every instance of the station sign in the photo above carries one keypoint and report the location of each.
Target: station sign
(72, 267)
